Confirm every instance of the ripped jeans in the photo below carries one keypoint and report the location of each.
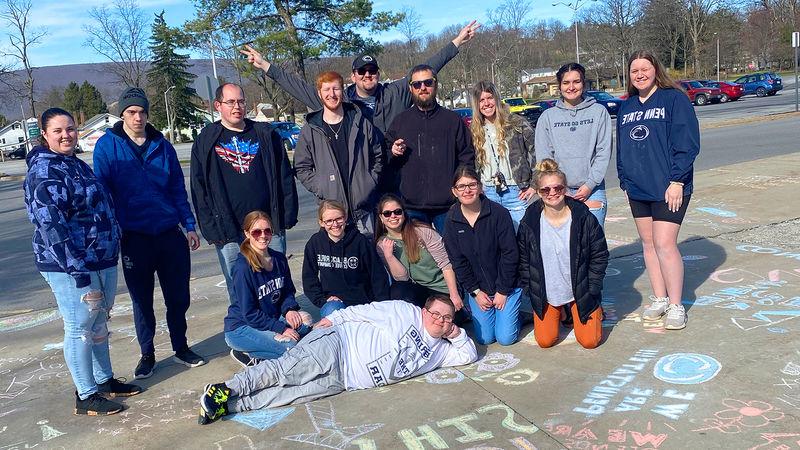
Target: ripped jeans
(597, 195)
(85, 326)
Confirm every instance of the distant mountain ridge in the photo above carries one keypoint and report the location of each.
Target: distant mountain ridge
(98, 74)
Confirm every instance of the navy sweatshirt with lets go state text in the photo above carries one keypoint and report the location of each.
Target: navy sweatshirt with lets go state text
(657, 142)
(261, 298)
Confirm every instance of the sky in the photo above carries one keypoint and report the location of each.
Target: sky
(65, 39)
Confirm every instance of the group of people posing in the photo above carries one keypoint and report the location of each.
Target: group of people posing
(424, 224)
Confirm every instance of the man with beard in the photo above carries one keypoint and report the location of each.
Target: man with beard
(339, 154)
(429, 143)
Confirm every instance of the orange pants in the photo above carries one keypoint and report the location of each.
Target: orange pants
(546, 330)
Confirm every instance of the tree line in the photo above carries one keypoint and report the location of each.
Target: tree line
(308, 37)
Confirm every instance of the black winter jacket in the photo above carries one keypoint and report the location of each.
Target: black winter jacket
(349, 269)
(484, 256)
(211, 201)
(437, 142)
(588, 255)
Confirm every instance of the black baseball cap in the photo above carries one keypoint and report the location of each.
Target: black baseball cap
(365, 60)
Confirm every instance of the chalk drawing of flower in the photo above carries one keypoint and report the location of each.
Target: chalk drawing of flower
(752, 414)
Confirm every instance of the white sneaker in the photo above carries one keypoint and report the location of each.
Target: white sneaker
(676, 318)
(656, 308)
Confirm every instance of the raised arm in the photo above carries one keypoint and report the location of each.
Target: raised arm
(293, 84)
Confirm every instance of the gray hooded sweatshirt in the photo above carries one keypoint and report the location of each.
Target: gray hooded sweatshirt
(579, 139)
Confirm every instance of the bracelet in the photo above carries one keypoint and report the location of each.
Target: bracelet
(679, 183)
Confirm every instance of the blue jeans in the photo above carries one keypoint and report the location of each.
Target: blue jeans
(260, 344)
(435, 217)
(508, 200)
(598, 194)
(85, 327)
(330, 307)
(228, 253)
(494, 324)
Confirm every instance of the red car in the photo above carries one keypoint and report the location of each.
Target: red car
(699, 94)
(729, 91)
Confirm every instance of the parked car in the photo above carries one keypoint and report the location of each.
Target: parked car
(289, 132)
(728, 91)
(544, 104)
(15, 153)
(517, 104)
(761, 84)
(532, 115)
(699, 94)
(466, 115)
(611, 103)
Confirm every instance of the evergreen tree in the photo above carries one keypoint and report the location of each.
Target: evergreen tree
(170, 69)
(3, 121)
(91, 100)
(72, 98)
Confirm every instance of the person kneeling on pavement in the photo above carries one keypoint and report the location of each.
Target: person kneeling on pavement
(264, 319)
(358, 347)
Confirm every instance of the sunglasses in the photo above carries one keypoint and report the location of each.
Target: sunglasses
(396, 212)
(367, 70)
(556, 190)
(418, 84)
(257, 232)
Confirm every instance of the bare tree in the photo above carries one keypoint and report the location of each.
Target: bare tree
(410, 26)
(662, 27)
(21, 37)
(697, 16)
(120, 33)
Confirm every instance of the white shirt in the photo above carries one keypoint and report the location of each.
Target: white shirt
(386, 342)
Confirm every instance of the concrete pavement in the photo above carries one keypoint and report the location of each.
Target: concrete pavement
(730, 380)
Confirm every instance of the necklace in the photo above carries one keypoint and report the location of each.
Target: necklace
(335, 132)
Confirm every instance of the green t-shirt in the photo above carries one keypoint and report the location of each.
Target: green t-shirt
(424, 272)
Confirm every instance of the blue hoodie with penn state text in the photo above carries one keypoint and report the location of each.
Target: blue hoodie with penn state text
(76, 230)
(657, 142)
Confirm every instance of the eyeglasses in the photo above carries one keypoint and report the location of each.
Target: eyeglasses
(436, 315)
(367, 70)
(396, 212)
(258, 232)
(556, 190)
(463, 187)
(330, 222)
(232, 103)
(418, 84)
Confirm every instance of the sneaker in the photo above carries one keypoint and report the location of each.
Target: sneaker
(656, 308)
(676, 318)
(96, 405)
(244, 359)
(213, 403)
(145, 367)
(282, 338)
(188, 358)
(116, 387)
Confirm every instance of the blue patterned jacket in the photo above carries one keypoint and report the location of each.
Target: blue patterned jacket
(76, 230)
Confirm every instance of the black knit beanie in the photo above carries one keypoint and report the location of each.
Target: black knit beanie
(133, 97)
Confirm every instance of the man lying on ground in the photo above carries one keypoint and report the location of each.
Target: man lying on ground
(359, 347)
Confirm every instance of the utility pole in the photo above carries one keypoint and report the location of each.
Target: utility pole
(25, 128)
(715, 34)
(169, 117)
(575, 6)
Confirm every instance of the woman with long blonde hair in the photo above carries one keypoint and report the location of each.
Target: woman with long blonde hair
(264, 319)
(503, 150)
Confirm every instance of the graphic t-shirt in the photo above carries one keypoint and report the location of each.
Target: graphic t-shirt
(240, 163)
(368, 101)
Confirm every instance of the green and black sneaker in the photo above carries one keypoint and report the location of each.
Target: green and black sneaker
(213, 403)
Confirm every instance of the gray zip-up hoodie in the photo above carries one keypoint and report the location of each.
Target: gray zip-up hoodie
(579, 139)
(315, 164)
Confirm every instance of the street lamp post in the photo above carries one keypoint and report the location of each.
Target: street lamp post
(575, 6)
(169, 118)
(715, 34)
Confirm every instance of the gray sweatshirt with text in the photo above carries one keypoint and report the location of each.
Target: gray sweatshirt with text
(578, 138)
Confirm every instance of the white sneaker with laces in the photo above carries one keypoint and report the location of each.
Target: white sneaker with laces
(656, 308)
(676, 318)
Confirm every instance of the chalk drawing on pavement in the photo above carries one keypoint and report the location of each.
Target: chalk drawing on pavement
(716, 211)
(741, 415)
(444, 376)
(53, 346)
(329, 433)
(25, 321)
(262, 419)
(238, 442)
(497, 362)
(694, 257)
(686, 368)
(48, 432)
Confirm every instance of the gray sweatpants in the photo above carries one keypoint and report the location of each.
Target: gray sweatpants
(308, 371)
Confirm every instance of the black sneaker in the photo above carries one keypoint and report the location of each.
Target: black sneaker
(96, 405)
(241, 357)
(213, 403)
(145, 367)
(188, 358)
(115, 387)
